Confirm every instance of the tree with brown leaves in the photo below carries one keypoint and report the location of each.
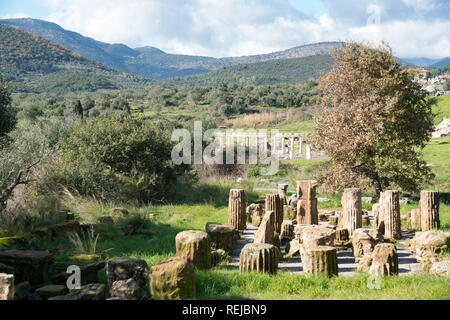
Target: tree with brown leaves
(375, 122)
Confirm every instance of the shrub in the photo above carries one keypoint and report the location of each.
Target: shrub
(120, 158)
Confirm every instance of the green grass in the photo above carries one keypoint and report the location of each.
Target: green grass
(442, 109)
(437, 154)
(283, 286)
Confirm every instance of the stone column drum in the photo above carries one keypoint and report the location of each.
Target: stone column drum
(307, 212)
(195, 247)
(352, 210)
(259, 257)
(384, 260)
(172, 279)
(282, 191)
(236, 209)
(6, 286)
(221, 235)
(390, 208)
(429, 210)
(320, 260)
(274, 203)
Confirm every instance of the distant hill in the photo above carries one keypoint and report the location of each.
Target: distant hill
(149, 61)
(426, 62)
(420, 62)
(321, 48)
(268, 72)
(440, 63)
(35, 64)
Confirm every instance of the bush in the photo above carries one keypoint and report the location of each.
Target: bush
(117, 158)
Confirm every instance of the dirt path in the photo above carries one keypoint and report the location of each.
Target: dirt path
(346, 262)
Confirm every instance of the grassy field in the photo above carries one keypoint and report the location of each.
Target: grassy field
(442, 109)
(157, 225)
(157, 242)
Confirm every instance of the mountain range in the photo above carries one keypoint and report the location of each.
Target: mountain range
(426, 62)
(148, 61)
(99, 65)
(34, 64)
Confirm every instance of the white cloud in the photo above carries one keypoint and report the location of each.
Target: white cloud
(15, 16)
(245, 27)
(409, 38)
(422, 5)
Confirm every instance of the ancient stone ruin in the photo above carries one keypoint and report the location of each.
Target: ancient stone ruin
(195, 247)
(171, 279)
(364, 241)
(259, 257)
(255, 213)
(384, 260)
(321, 260)
(352, 211)
(282, 191)
(236, 209)
(307, 212)
(266, 231)
(429, 210)
(274, 203)
(222, 235)
(6, 286)
(390, 211)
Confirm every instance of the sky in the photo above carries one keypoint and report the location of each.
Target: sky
(219, 28)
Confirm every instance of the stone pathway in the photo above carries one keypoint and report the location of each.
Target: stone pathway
(346, 262)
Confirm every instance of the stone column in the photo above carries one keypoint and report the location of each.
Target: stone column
(282, 190)
(384, 260)
(320, 261)
(287, 232)
(236, 209)
(364, 241)
(378, 218)
(221, 235)
(195, 247)
(308, 152)
(301, 146)
(266, 230)
(172, 279)
(307, 212)
(6, 286)
(390, 208)
(352, 211)
(429, 210)
(291, 149)
(274, 203)
(259, 257)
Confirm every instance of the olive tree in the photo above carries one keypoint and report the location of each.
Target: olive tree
(375, 122)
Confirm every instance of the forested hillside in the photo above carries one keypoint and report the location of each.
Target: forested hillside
(149, 61)
(35, 64)
(268, 72)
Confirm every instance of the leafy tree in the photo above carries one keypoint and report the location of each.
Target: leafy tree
(7, 113)
(375, 122)
(117, 158)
